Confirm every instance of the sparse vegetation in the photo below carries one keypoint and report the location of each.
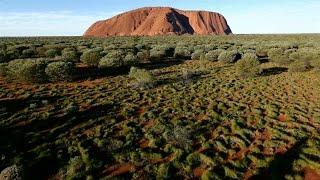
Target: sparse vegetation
(51, 53)
(228, 57)
(111, 60)
(170, 118)
(214, 54)
(248, 65)
(300, 66)
(60, 71)
(91, 58)
(28, 70)
(70, 56)
(142, 77)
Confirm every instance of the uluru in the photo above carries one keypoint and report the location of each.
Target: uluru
(152, 21)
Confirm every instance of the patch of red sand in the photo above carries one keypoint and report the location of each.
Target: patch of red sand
(198, 171)
(120, 169)
(311, 174)
(282, 117)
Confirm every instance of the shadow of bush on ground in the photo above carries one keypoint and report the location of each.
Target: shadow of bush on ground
(85, 72)
(282, 163)
(273, 71)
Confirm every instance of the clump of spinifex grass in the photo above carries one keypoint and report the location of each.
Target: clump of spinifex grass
(143, 78)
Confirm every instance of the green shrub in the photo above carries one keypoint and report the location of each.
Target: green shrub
(143, 56)
(187, 74)
(76, 168)
(288, 52)
(3, 57)
(210, 47)
(294, 56)
(207, 175)
(113, 59)
(41, 51)
(169, 50)
(248, 65)
(51, 53)
(182, 52)
(197, 54)
(29, 70)
(262, 51)
(68, 49)
(316, 64)
(160, 52)
(181, 137)
(70, 56)
(163, 171)
(12, 54)
(90, 58)
(3, 69)
(28, 53)
(304, 55)
(229, 57)
(194, 159)
(274, 54)
(130, 59)
(157, 55)
(213, 55)
(110, 62)
(142, 77)
(300, 66)
(60, 71)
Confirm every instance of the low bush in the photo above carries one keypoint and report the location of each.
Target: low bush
(197, 54)
(288, 52)
(228, 57)
(316, 64)
(169, 50)
(60, 71)
(274, 54)
(113, 59)
(163, 171)
(28, 70)
(160, 52)
(76, 168)
(193, 159)
(3, 69)
(68, 49)
(110, 62)
(143, 56)
(305, 55)
(214, 54)
(12, 54)
(187, 74)
(143, 77)
(181, 137)
(51, 53)
(210, 47)
(28, 53)
(70, 56)
(157, 55)
(3, 57)
(90, 58)
(262, 51)
(41, 51)
(300, 66)
(130, 59)
(248, 65)
(182, 53)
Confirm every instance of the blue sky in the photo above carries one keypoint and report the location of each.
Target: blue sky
(73, 17)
